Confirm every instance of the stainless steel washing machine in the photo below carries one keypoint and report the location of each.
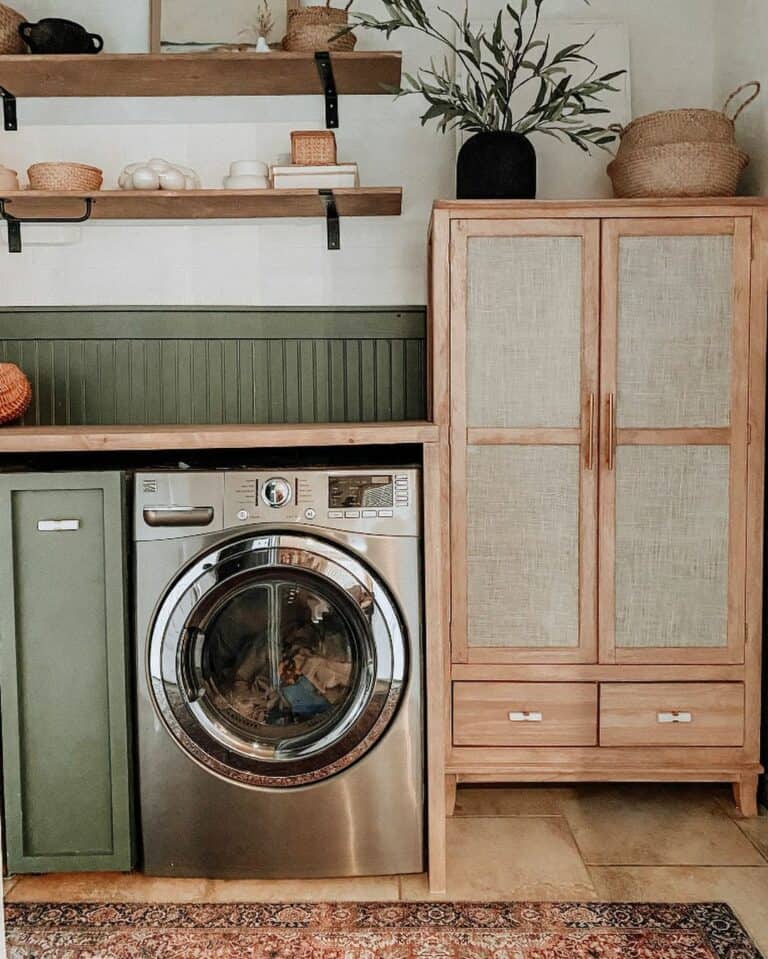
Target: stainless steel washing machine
(279, 673)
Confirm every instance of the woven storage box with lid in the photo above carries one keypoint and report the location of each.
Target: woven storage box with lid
(10, 38)
(315, 28)
(15, 393)
(65, 176)
(681, 153)
(313, 147)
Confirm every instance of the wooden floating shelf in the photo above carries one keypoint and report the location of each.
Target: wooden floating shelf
(90, 439)
(195, 74)
(202, 204)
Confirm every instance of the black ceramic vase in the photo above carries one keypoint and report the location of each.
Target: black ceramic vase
(496, 166)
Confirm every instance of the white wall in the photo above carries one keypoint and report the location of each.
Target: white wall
(741, 29)
(285, 262)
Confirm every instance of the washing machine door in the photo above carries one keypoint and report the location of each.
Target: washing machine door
(276, 660)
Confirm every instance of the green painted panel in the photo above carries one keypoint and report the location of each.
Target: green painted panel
(63, 674)
(145, 366)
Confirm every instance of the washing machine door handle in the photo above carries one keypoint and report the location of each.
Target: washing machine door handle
(158, 516)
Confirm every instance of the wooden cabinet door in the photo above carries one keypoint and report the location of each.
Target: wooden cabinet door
(674, 392)
(524, 368)
(63, 672)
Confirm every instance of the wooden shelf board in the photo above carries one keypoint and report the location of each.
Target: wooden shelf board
(195, 74)
(82, 439)
(204, 204)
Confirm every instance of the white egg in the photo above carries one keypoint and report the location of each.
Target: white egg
(173, 180)
(145, 179)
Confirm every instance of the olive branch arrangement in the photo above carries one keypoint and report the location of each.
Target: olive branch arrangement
(496, 66)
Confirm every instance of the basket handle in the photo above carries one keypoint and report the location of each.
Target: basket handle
(746, 103)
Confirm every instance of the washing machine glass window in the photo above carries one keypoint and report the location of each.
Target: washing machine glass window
(276, 660)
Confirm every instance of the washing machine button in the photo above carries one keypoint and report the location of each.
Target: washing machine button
(276, 492)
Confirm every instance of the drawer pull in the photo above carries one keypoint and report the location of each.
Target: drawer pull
(58, 525)
(526, 717)
(674, 717)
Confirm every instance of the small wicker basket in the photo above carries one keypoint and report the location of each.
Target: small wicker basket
(313, 148)
(78, 177)
(316, 28)
(15, 393)
(686, 126)
(678, 169)
(10, 38)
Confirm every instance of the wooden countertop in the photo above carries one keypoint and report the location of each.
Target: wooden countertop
(90, 439)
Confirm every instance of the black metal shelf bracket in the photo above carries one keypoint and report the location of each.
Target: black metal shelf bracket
(325, 69)
(331, 219)
(15, 223)
(10, 119)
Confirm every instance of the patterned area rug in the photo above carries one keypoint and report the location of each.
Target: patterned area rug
(376, 931)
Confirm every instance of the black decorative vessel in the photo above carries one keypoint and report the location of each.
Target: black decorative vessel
(498, 165)
(57, 36)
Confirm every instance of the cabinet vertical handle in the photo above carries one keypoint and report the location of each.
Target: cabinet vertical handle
(589, 456)
(610, 438)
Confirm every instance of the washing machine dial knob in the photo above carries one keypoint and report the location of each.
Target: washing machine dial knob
(276, 492)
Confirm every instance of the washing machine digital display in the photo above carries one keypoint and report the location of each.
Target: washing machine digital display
(346, 492)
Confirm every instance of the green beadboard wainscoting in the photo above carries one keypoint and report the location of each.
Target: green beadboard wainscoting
(64, 672)
(135, 365)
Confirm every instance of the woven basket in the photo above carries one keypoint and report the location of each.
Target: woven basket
(686, 126)
(65, 176)
(679, 169)
(314, 28)
(313, 148)
(15, 393)
(10, 38)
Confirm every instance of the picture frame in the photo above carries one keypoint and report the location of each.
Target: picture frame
(191, 26)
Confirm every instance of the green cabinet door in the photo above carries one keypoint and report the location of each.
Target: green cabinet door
(63, 672)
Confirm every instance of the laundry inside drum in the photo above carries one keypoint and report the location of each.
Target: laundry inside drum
(280, 665)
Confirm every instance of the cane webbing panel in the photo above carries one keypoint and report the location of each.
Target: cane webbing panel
(674, 335)
(672, 546)
(523, 546)
(524, 314)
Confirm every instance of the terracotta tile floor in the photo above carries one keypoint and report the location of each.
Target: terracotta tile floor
(651, 843)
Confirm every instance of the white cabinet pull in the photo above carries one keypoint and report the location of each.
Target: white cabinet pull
(58, 525)
(674, 717)
(526, 717)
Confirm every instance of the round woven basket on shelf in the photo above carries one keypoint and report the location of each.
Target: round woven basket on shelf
(678, 169)
(65, 176)
(10, 38)
(686, 126)
(15, 393)
(314, 28)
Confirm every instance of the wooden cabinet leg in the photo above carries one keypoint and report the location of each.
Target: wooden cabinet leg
(745, 795)
(451, 782)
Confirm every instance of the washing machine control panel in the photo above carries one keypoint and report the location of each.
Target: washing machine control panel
(375, 501)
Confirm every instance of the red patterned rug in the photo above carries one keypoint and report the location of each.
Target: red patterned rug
(376, 931)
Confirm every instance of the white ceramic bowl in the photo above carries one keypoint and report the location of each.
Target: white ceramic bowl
(248, 168)
(246, 183)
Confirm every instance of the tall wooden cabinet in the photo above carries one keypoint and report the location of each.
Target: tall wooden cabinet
(63, 673)
(604, 401)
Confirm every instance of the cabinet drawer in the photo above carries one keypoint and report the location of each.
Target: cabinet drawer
(525, 714)
(671, 714)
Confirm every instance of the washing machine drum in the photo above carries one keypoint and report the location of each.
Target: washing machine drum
(276, 660)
